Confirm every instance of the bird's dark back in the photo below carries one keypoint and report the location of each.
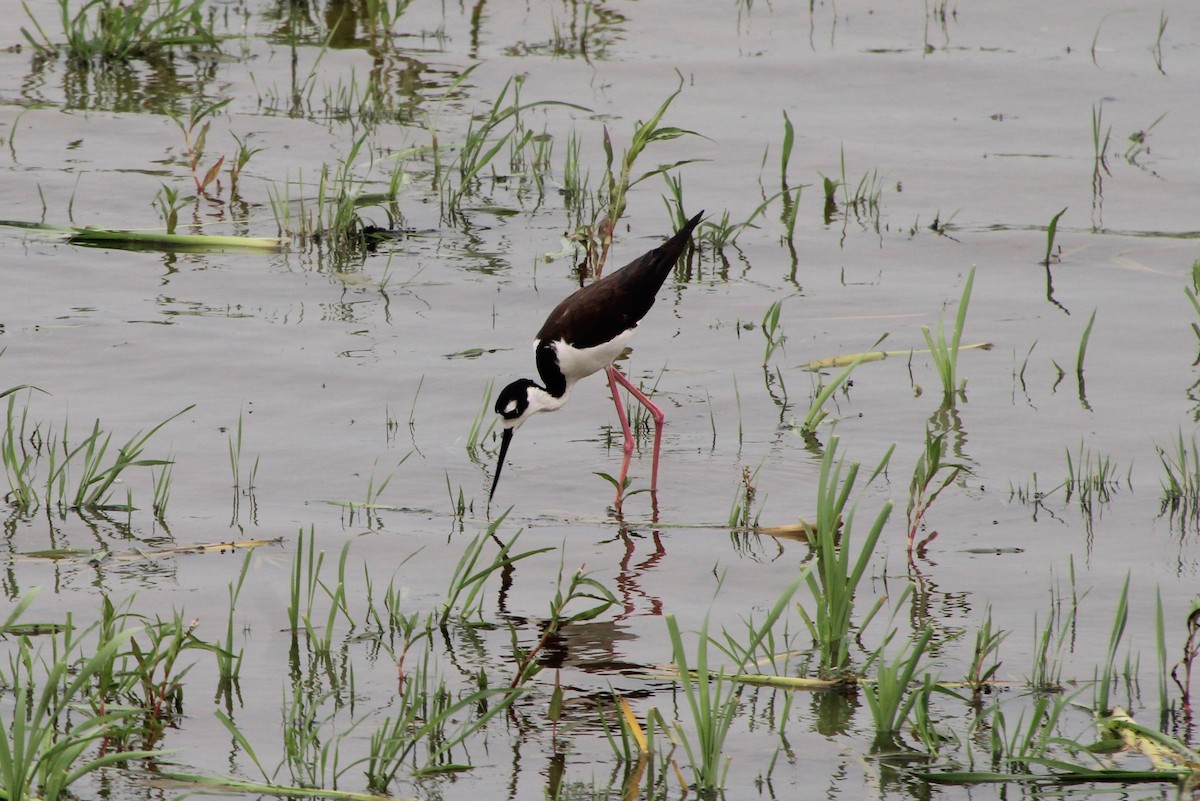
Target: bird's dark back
(601, 311)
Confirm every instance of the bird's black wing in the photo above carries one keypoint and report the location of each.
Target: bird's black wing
(602, 311)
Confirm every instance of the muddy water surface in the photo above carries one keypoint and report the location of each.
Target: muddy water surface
(964, 129)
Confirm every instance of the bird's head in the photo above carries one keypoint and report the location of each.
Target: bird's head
(516, 404)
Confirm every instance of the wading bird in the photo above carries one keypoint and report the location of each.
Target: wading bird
(585, 334)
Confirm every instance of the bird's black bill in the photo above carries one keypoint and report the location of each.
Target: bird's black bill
(504, 440)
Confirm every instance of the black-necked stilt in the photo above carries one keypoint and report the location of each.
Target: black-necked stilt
(585, 334)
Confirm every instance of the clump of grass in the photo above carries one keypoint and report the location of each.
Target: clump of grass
(81, 476)
(712, 696)
(771, 330)
(617, 184)
(822, 392)
(464, 593)
(235, 461)
(945, 354)
(581, 587)
(428, 716)
(306, 581)
(169, 205)
(484, 140)
(1090, 476)
(195, 137)
(1181, 478)
(985, 663)
(107, 31)
(930, 477)
(743, 504)
(890, 697)
(1051, 641)
(840, 565)
(48, 743)
(863, 199)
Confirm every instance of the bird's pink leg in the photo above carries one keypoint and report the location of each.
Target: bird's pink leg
(615, 377)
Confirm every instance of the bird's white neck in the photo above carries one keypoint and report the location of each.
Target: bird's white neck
(542, 401)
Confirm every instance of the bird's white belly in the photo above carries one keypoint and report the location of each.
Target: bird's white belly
(577, 363)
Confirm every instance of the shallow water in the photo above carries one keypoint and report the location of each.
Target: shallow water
(345, 375)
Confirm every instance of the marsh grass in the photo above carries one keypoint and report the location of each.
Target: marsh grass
(616, 185)
(771, 330)
(1157, 50)
(1139, 142)
(1083, 344)
(945, 354)
(1051, 641)
(840, 565)
(106, 31)
(1181, 479)
(575, 181)
(789, 194)
(426, 727)
(580, 588)
(311, 746)
(1104, 686)
(822, 392)
(1051, 233)
(1181, 671)
(1193, 295)
(487, 135)
(985, 661)
(891, 697)
(19, 457)
(50, 739)
(712, 696)
(1014, 747)
(79, 477)
(229, 660)
(307, 566)
(862, 199)
(341, 229)
(195, 137)
(637, 750)
(169, 205)
(931, 476)
(477, 432)
(235, 460)
(464, 599)
(1101, 137)
(743, 503)
(162, 490)
(1092, 477)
